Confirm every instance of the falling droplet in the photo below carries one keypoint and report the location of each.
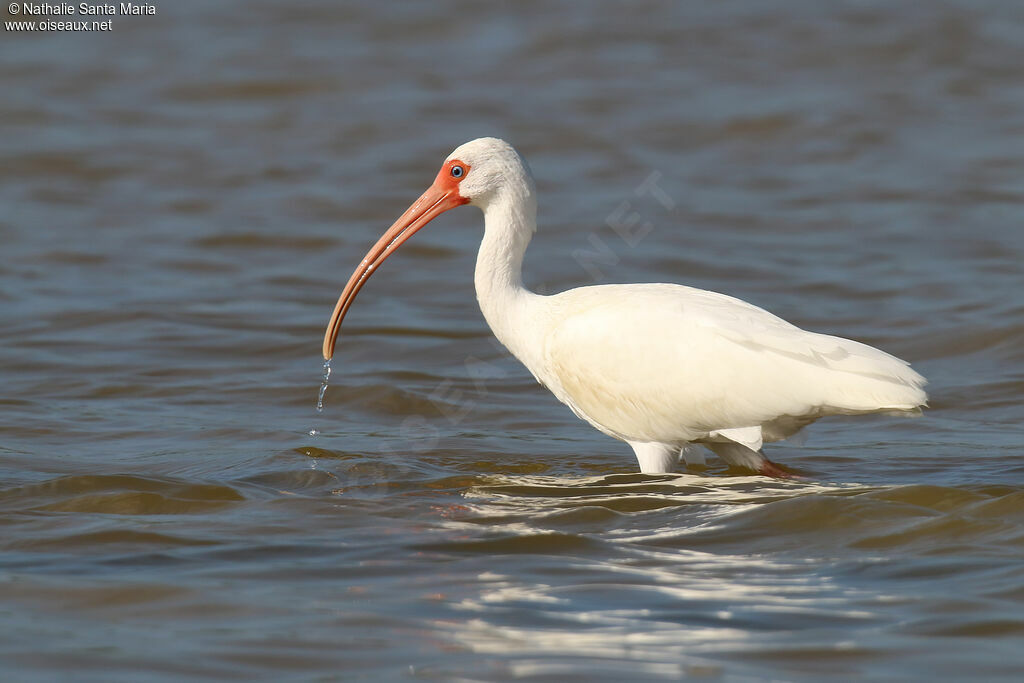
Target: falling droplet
(314, 432)
(323, 386)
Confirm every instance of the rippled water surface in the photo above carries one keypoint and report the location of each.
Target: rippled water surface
(184, 196)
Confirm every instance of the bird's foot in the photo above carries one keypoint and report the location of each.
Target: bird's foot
(777, 471)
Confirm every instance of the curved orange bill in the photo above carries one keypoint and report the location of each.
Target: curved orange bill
(438, 198)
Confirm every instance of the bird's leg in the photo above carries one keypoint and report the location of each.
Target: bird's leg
(655, 458)
(738, 455)
(693, 456)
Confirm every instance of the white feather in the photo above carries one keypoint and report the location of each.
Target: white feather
(661, 365)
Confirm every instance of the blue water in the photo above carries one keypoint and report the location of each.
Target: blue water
(185, 196)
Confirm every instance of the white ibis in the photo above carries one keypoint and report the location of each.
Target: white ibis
(659, 366)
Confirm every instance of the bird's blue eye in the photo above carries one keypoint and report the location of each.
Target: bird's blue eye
(457, 171)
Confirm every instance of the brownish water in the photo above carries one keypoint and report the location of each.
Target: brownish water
(184, 197)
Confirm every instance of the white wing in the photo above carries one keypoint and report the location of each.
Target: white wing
(669, 363)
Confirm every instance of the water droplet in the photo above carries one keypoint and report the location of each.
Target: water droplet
(323, 386)
(314, 432)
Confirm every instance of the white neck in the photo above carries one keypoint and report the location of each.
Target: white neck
(509, 308)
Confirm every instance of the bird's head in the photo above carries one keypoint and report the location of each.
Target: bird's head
(476, 173)
(491, 166)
